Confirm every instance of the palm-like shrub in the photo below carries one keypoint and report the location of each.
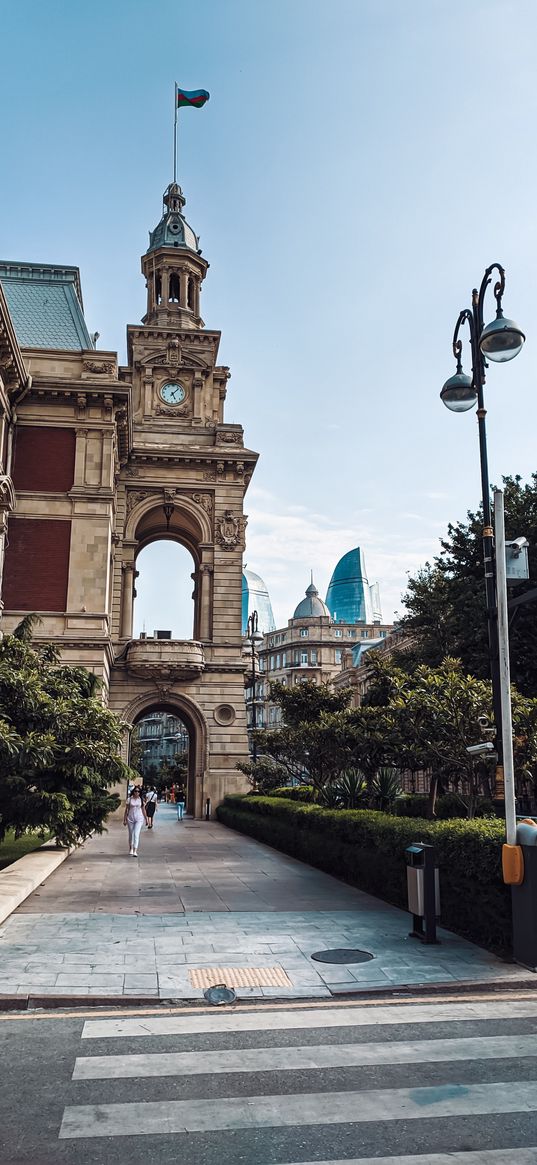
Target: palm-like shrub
(385, 787)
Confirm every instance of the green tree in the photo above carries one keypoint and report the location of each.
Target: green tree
(445, 601)
(59, 745)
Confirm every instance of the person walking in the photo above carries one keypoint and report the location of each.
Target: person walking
(151, 805)
(134, 817)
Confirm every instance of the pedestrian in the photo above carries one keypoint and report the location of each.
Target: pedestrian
(180, 801)
(134, 817)
(151, 805)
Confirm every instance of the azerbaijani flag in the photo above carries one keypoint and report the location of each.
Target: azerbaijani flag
(196, 97)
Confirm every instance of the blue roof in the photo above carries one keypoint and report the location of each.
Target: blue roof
(45, 304)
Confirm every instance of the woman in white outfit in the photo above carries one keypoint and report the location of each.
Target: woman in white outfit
(134, 817)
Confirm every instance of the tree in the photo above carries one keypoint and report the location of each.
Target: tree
(445, 601)
(59, 745)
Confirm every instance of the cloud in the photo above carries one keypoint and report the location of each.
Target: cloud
(285, 542)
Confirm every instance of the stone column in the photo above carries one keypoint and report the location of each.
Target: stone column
(80, 456)
(183, 282)
(204, 601)
(127, 599)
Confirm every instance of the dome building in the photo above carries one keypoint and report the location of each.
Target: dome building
(312, 646)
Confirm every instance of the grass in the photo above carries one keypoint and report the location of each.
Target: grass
(12, 849)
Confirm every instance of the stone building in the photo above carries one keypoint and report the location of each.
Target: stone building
(110, 458)
(311, 647)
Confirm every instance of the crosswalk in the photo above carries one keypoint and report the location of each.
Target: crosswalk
(457, 1080)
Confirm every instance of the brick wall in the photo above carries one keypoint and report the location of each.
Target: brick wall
(36, 564)
(44, 459)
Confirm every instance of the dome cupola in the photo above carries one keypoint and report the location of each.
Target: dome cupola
(173, 267)
(312, 607)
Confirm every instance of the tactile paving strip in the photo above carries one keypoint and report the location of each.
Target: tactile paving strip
(239, 977)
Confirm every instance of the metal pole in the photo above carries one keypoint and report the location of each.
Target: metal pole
(478, 368)
(505, 677)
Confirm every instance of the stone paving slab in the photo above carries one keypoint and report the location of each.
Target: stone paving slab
(102, 925)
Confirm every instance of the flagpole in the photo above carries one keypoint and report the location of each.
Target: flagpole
(175, 137)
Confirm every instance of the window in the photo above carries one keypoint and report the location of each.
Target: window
(304, 632)
(351, 634)
(303, 657)
(364, 634)
(262, 663)
(382, 634)
(338, 654)
(278, 661)
(297, 659)
(338, 634)
(284, 659)
(314, 657)
(272, 663)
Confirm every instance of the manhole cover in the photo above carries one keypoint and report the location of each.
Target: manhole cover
(219, 995)
(342, 955)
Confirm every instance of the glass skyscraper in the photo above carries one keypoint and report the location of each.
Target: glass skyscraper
(255, 597)
(349, 597)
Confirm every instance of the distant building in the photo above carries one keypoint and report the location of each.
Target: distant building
(162, 736)
(350, 598)
(311, 647)
(354, 672)
(255, 597)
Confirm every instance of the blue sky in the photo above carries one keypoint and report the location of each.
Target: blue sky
(358, 166)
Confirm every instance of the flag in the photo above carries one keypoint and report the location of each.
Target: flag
(196, 97)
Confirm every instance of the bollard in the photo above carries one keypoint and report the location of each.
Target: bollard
(423, 891)
(208, 809)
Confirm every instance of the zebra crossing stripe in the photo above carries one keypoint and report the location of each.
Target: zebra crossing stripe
(479, 1157)
(283, 1111)
(302, 1058)
(261, 1020)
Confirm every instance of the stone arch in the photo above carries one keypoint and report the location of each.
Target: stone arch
(189, 517)
(178, 704)
(190, 523)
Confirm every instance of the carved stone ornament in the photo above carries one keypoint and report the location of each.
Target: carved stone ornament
(99, 368)
(132, 471)
(7, 493)
(203, 500)
(135, 496)
(230, 531)
(209, 474)
(229, 438)
(182, 411)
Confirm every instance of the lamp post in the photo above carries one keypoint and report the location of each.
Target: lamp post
(499, 341)
(254, 638)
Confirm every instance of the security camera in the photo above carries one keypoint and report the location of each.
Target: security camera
(487, 729)
(484, 746)
(517, 545)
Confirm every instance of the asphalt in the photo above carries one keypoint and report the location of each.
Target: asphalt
(203, 904)
(481, 1103)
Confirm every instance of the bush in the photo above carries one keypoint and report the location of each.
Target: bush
(447, 807)
(411, 805)
(295, 793)
(366, 848)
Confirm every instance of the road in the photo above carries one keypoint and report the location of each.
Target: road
(391, 1083)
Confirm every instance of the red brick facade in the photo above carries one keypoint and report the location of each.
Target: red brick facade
(44, 459)
(36, 570)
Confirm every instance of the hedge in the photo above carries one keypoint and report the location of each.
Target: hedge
(366, 849)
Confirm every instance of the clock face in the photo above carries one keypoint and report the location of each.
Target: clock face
(172, 392)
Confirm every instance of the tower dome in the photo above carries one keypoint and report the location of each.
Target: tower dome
(174, 268)
(312, 606)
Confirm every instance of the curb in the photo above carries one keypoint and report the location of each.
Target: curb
(22, 877)
(33, 1002)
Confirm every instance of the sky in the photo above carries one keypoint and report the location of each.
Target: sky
(358, 166)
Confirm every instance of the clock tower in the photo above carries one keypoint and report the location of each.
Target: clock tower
(185, 480)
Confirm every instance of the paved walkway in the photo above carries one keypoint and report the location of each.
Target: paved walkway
(201, 897)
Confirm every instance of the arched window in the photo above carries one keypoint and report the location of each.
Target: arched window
(175, 288)
(164, 590)
(190, 293)
(158, 288)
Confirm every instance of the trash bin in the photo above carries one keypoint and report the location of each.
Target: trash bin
(524, 898)
(423, 888)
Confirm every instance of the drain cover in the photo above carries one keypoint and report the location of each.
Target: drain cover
(220, 994)
(342, 955)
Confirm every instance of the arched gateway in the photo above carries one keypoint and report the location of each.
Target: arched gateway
(108, 459)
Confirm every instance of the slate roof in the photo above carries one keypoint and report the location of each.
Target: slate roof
(45, 304)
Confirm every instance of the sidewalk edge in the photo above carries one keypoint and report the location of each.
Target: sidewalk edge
(22, 877)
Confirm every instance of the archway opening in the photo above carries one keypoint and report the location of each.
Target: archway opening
(162, 751)
(164, 591)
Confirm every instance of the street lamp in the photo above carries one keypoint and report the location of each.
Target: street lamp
(255, 638)
(501, 340)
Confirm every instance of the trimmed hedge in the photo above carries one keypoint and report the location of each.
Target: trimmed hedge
(294, 793)
(367, 849)
(448, 806)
